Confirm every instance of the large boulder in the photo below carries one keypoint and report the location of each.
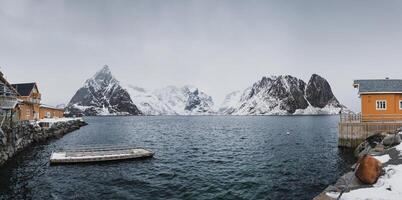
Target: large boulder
(370, 145)
(368, 169)
(391, 140)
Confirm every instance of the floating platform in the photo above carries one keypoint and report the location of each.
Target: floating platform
(98, 155)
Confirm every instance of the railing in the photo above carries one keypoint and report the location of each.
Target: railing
(6, 91)
(30, 100)
(351, 118)
(358, 118)
(8, 102)
(33, 100)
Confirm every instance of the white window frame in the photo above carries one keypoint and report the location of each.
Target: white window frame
(400, 104)
(379, 108)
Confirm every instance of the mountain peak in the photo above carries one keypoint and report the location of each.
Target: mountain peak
(105, 71)
(315, 77)
(105, 68)
(319, 92)
(102, 77)
(102, 95)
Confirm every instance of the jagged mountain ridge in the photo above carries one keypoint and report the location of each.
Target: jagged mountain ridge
(171, 100)
(276, 95)
(283, 95)
(102, 95)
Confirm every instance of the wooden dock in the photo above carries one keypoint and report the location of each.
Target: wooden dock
(353, 129)
(85, 155)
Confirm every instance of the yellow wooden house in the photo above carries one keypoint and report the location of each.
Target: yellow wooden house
(381, 99)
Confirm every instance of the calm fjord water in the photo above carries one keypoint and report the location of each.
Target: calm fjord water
(197, 157)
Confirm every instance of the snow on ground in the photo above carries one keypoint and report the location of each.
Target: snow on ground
(383, 159)
(388, 186)
(333, 195)
(54, 120)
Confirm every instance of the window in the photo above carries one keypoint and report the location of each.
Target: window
(400, 104)
(381, 105)
(28, 112)
(48, 115)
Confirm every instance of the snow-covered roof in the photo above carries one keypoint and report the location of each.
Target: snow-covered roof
(51, 107)
(379, 86)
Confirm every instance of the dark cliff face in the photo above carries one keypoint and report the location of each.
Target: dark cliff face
(102, 94)
(193, 100)
(288, 91)
(319, 92)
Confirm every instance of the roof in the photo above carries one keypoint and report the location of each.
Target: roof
(24, 89)
(379, 86)
(51, 107)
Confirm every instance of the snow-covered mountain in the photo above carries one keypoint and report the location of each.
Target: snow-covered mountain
(171, 100)
(102, 95)
(277, 95)
(283, 95)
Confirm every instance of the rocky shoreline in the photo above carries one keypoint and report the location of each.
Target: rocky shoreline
(17, 137)
(387, 149)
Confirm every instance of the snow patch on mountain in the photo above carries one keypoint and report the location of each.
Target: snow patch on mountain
(231, 100)
(171, 100)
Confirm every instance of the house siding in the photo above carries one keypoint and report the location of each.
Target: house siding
(53, 113)
(28, 111)
(371, 113)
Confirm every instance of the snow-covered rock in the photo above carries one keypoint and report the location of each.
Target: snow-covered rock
(283, 95)
(171, 100)
(102, 95)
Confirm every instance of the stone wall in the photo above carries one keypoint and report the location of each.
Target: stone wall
(351, 134)
(18, 136)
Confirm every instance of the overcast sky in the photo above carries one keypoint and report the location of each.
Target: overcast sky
(218, 46)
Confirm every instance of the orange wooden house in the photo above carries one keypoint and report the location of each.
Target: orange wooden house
(381, 99)
(30, 97)
(30, 107)
(46, 111)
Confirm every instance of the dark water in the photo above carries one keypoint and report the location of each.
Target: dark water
(201, 157)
